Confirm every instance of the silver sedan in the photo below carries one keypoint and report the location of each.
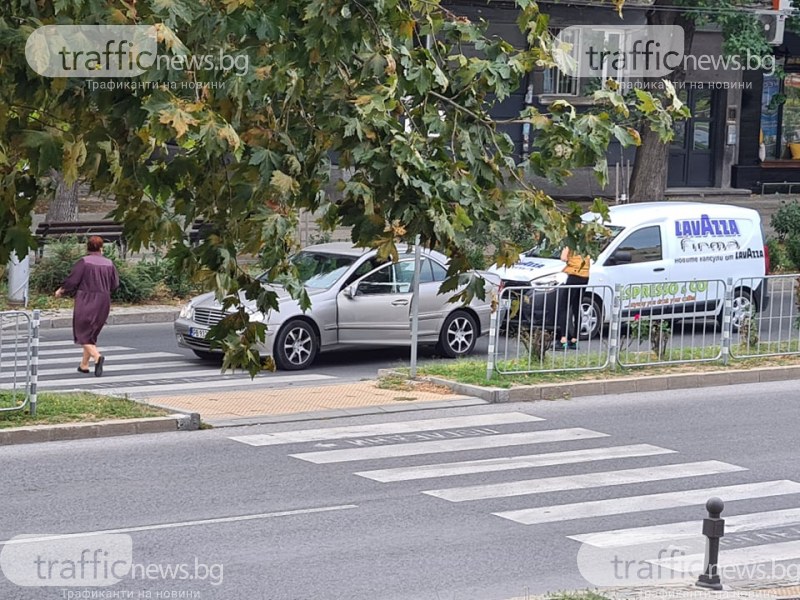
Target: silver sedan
(357, 300)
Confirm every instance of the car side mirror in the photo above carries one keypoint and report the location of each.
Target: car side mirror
(620, 257)
(351, 290)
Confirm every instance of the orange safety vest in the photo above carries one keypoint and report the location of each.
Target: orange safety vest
(577, 265)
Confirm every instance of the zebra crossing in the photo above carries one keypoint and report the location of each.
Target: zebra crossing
(433, 446)
(129, 371)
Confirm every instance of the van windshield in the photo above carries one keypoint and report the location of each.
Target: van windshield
(545, 250)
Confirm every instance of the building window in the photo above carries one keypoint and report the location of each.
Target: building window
(558, 83)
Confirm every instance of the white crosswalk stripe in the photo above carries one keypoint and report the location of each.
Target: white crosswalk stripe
(687, 529)
(507, 463)
(585, 481)
(354, 431)
(129, 371)
(632, 504)
(525, 476)
(477, 443)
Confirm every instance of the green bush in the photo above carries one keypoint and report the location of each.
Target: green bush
(49, 273)
(786, 220)
(792, 247)
(778, 259)
(162, 271)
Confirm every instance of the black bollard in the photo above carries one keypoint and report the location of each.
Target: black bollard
(713, 529)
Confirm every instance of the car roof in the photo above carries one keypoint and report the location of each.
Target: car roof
(348, 249)
(655, 212)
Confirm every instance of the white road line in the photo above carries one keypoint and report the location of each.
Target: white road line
(583, 481)
(78, 350)
(285, 513)
(633, 536)
(507, 463)
(337, 433)
(116, 358)
(43, 373)
(109, 376)
(751, 555)
(633, 504)
(166, 389)
(456, 445)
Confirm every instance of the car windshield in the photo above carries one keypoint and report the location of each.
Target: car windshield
(319, 270)
(545, 250)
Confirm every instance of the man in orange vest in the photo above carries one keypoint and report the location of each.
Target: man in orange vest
(569, 305)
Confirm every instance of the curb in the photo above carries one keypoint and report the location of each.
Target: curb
(78, 431)
(156, 316)
(605, 387)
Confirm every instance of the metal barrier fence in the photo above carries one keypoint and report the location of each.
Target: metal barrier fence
(19, 360)
(530, 320)
(772, 329)
(641, 324)
(670, 322)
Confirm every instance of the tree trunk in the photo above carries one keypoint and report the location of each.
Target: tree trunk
(64, 205)
(649, 175)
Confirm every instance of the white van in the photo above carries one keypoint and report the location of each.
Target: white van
(665, 253)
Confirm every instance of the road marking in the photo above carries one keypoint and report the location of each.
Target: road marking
(168, 389)
(435, 447)
(583, 481)
(77, 349)
(285, 513)
(633, 504)
(354, 431)
(751, 555)
(116, 358)
(122, 367)
(508, 463)
(688, 529)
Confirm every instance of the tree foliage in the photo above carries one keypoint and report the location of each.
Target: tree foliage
(397, 92)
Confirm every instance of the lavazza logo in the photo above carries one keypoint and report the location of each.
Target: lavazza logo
(115, 51)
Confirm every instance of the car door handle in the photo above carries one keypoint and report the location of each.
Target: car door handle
(402, 302)
(658, 269)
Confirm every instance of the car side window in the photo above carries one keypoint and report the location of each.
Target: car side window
(643, 244)
(425, 273)
(365, 267)
(439, 272)
(379, 282)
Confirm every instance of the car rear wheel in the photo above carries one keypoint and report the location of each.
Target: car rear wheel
(296, 346)
(742, 307)
(458, 335)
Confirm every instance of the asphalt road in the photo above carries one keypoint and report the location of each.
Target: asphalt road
(292, 520)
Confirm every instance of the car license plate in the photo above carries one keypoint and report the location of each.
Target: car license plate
(198, 333)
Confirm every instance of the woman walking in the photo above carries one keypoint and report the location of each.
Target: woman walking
(92, 279)
(569, 307)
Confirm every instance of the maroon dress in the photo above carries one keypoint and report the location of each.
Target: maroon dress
(93, 278)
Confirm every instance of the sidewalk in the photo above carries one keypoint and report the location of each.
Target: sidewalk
(120, 315)
(775, 590)
(246, 407)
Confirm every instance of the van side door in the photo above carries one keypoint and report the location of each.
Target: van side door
(640, 265)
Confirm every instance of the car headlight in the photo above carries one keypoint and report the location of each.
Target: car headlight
(551, 280)
(187, 312)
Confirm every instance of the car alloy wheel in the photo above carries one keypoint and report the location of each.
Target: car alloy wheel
(458, 335)
(742, 307)
(591, 313)
(296, 346)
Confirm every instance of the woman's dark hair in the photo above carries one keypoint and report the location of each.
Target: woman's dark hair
(94, 243)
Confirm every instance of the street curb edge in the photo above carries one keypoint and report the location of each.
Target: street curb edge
(77, 431)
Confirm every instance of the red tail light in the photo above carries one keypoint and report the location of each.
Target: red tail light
(766, 259)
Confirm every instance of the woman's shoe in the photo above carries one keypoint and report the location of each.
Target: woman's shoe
(572, 346)
(98, 366)
(82, 370)
(560, 346)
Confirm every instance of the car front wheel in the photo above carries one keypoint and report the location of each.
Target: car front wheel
(591, 318)
(296, 346)
(458, 335)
